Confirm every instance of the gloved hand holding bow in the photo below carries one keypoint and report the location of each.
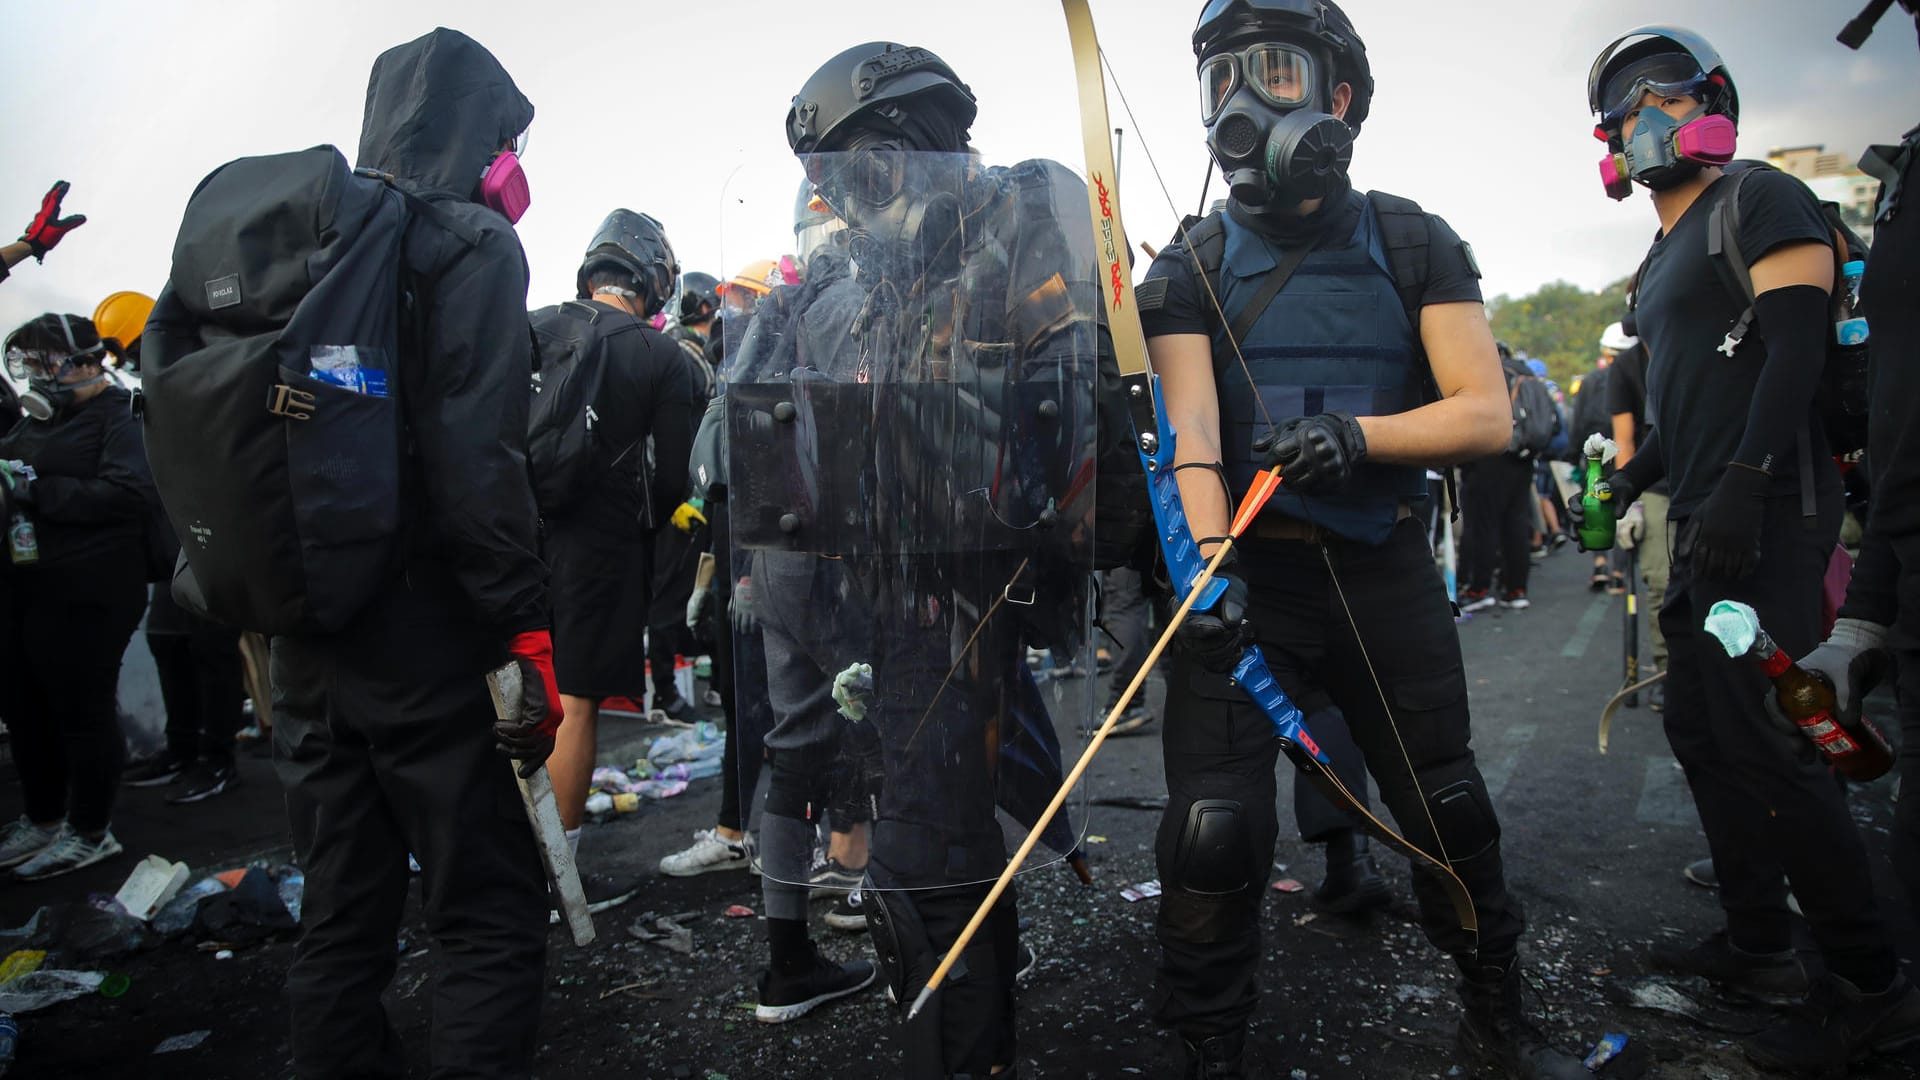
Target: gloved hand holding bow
(528, 736)
(1217, 637)
(48, 228)
(1315, 454)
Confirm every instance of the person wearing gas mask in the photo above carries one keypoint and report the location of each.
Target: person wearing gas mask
(384, 732)
(75, 498)
(599, 542)
(1754, 509)
(918, 489)
(44, 232)
(1340, 338)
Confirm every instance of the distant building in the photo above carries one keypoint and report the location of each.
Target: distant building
(1833, 178)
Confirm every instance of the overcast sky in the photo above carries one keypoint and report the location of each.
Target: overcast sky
(677, 109)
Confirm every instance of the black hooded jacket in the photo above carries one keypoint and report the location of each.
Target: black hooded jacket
(438, 107)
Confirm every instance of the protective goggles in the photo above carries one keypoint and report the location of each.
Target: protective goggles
(1281, 74)
(872, 176)
(1664, 75)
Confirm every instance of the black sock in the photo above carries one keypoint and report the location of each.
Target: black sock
(789, 946)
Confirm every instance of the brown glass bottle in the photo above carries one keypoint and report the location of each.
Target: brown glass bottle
(1858, 750)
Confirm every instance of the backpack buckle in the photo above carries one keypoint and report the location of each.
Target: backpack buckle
(290, 402)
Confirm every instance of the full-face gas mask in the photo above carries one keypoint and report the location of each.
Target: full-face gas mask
(903, 209)
(45, 371)
(1266, 107)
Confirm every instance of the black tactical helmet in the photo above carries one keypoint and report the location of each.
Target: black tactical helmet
(1636, 47)
(637, 244)
(1318, 25)
(882, 80)
(696, 289)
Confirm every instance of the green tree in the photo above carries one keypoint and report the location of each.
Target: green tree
(1559, 323)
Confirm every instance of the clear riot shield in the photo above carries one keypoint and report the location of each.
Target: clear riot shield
(911, 463)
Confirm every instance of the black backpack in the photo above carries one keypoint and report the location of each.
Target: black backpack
(565, 452)
(1844, 386)
(1536, 419)
(283, 488)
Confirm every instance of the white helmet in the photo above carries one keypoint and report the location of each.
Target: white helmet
(1614, 339)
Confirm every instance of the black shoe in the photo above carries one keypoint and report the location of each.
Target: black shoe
(1838, 1027)
(1495, 1034)
(676, 709)
(789, 997)
(1700, 872)
(1215, 1058)
(1353, 883)
(154, 771)
(1132, 721)
(1657, 697)
(1773, 978)
(847, 913)
(203, 782)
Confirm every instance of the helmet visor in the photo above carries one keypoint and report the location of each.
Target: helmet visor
(1281, 74)
(1663, 74)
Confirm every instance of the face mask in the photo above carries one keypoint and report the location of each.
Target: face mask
(1665, 152)
(1307, 157)
(48, 397)
(503, 187)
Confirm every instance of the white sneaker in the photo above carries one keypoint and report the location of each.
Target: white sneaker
(710, 852)
(69, 852)
(22, 840)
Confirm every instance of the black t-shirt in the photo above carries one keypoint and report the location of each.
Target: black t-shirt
(1186, 309)
(1890, 297)
(647, 400)
(1698, 397)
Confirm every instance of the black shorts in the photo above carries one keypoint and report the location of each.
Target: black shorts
(600, 587)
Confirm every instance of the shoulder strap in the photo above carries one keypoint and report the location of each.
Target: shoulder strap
(1206, 249)
(1270, 287)
(1406, 238)
(1723, 236)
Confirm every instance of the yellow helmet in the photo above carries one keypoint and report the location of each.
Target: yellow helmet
(123, 315)
(758, 277)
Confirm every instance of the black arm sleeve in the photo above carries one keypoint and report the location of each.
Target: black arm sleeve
(1794, 320)
(1647, 467)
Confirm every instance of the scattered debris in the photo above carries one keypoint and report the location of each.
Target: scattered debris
(154, 881)
(1288, 885)
(1141, 891)
(1605, 1050)
(181, 1042)
(666, 931)
(47, 987)
(738, 911)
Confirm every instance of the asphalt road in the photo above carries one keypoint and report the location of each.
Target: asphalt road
(1594, 846)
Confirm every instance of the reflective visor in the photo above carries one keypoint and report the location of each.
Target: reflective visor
(1664, 74)
(1280, 74)
(873, 176)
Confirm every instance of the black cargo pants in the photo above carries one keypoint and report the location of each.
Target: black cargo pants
(384, 743)
(1216, 840)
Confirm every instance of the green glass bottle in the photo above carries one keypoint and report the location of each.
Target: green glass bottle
(1597, 520)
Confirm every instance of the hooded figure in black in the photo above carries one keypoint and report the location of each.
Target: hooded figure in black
(383, 739)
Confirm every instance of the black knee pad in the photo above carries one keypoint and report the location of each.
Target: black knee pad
(1464, 815)
(1212, 852)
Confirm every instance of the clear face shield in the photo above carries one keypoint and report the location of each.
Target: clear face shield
(909, 493)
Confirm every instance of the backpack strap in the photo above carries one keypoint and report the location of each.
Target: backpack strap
(1407, 238)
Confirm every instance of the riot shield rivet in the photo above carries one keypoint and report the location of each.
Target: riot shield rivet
(1136, 389)
(789, 523)
(785, 412)
(1049, 409)
(1048, 517)
(1150, 443)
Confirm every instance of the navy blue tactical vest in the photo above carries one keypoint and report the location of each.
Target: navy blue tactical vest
(1336, 339)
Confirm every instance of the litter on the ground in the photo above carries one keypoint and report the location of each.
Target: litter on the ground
(1605, 1050)
(1288, 885)
(739, 911)
(1141, 891)
(154, 881)
(665, 931)
(47, 987)
(22, 962)
(1096, 839)
(174, 1043)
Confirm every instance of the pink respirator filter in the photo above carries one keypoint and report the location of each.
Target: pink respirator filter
(504, 187)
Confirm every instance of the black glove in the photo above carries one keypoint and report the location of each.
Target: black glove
(1216, 638)
(48, 228)
(1316, 454)
(1624, 493)
(1726, 546)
